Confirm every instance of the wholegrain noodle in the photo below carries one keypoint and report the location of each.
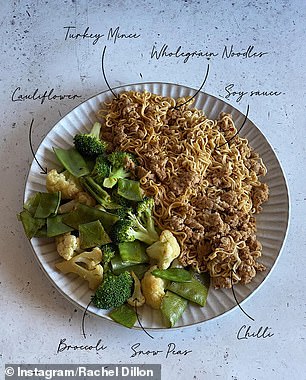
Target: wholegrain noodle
(201, 184)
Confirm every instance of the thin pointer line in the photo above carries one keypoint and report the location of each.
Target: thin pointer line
(237, 300)
(103, 72)
(138, 319)
(244, 121)
(44, 170)
(83, 319)
(206, 75)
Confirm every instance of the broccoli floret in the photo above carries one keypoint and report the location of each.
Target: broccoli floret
(121, 159)
(120, 162)
(100, 170)
(144, 213)
(108, 253)
(90, 144)
(122, 231)
(123, 212)
(120, 200)
(131, 229)
(114, 290)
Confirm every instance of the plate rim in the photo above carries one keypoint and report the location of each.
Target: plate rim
(192, 324)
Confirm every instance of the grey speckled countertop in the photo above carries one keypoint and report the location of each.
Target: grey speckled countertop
(41, 61)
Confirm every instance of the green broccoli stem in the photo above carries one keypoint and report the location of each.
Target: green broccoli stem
(144, 214)
(141, 233)
(148, 222)
(95, 131)
(100, 170)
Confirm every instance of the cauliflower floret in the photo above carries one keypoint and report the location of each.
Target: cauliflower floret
(86, 265)
(153, 288)
(63, 182)
(165, 250)
(85, 199)
(137, 299)
(67, 245)
(81, 197)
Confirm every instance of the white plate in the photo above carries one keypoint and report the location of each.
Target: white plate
(272, 223)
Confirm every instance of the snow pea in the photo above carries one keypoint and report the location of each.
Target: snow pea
(125, 315)
(72, 161)
(133, 252)
(32, 203)
(118, 266)
(42, 232)
(173, 274)
(35, 211)
(172, 308)
(48, 205)
(194, 290)
(130, 189)
(56, 227)
(30, 224)
(96, 191)
(92, 234)
(85, 214)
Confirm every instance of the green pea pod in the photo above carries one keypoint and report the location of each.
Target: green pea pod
(133, 252)
(173, 274)
(48, 205)
(172, 308)
(125, 315)
(56, 227)
(118, 266)
(42, 232)
(30, 225)
(130, 189)
(32, 203)
(92, 234)
(72, 161)
(85, 214)
(96, 191)
(193, 291)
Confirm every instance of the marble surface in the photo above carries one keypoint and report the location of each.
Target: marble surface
(39, 51)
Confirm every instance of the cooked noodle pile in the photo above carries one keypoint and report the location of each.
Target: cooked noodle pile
(204, 179)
